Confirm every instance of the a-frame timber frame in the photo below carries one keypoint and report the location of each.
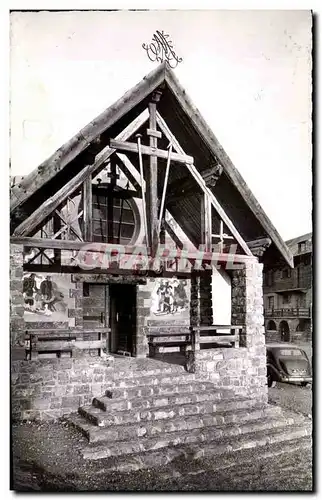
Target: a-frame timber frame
(148, 124)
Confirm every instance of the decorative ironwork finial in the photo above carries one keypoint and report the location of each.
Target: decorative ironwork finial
(161, 49)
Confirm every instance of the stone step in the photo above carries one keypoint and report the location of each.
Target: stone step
(104, 419)
(171, 462)
(160, 369)
(209, 442)
(179, 397)
(182, 385)
(154, 379)
(132, 431)
(232, 462)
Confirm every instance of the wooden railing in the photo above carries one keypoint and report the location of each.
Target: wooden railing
(201, 335)
(192, 337)
(168, 336)
(59, 341)
(294, 312)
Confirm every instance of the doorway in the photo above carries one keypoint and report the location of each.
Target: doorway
(284, 331)
(122, 319)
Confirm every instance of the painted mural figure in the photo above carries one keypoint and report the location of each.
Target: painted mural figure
(42, 295)
(171, 297)
(30, 289)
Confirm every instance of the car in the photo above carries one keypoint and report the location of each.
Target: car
(287, 362)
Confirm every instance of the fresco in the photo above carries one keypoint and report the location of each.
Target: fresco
(170, 299)
(46, 297)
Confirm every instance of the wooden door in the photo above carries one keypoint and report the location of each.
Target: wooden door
(95, 308)
(123, 318)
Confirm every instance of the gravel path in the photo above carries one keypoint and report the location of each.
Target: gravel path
(47, 457)
(292, 396)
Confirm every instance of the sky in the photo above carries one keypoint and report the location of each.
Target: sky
(248, 72)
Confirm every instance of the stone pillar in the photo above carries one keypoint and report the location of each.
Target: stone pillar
(247, 303)
(143, 304)
(206, 298)
(17, 323)
(195, 300)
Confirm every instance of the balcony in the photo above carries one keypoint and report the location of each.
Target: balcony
(295, 312)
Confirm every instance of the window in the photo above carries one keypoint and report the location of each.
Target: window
(114, 218)
(286, 298)
(301, 246)
(270, 302)
(286, 273)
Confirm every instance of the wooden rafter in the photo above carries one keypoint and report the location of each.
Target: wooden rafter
(197, 176)
(173, 234)
(68, 225)
(126, 167)
(149, 151)
(49, 206)
(87, 208)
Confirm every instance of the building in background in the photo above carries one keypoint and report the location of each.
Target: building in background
(288, 295)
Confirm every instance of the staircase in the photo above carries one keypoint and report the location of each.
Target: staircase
(147, 419)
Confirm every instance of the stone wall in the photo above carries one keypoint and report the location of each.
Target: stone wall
(48, 389)
(17, 323)
(244, 368)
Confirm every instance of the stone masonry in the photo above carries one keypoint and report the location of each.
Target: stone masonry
(16, 302)
(244, 368)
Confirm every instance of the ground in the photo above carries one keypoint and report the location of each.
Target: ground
(47, 457)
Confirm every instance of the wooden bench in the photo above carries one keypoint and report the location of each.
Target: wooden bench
(58, 341)
(158, 339)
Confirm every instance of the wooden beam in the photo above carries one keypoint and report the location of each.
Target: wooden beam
(42, 213)
(154, 133)
(66, 153)
(161, 215)
(152, 183)
(197, 176)
(173, 235)
(88, 208)
(88, 246)
(149, 150)
(57, 229)
(258, 247)
(124, 168)
(206, 222)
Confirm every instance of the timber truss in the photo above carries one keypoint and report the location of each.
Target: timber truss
(64, 222)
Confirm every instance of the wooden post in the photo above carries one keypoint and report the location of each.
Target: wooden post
(56, 228)
(152, 184)
(88, 209)
(206, 222)
(195, 312)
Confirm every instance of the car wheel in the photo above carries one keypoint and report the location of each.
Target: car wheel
(270, 381)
